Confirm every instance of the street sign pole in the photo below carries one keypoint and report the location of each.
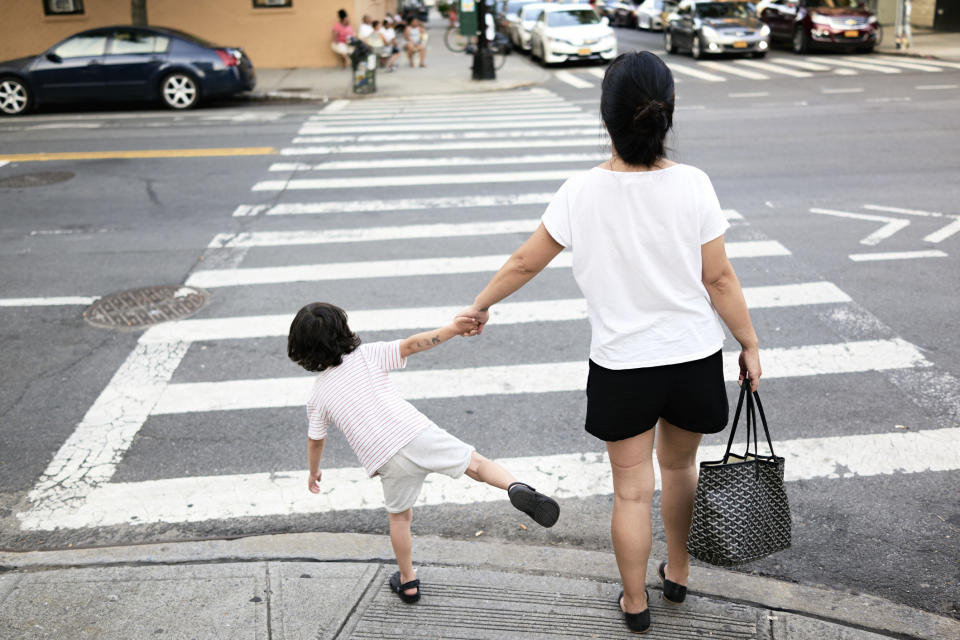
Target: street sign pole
(483, 57)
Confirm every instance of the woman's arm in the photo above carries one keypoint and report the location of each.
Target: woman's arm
(722, 284)
(526, 262)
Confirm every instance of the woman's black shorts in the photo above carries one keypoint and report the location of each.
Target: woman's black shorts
(622, 403)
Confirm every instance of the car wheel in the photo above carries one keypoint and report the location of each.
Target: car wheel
(179, 91)
(696, 47)
(668, 41)
(14, 96)
(801, 41)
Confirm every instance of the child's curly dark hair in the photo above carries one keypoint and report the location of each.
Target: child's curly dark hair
(320, 337)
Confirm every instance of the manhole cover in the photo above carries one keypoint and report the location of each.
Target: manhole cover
(39, 179)
(144, 307)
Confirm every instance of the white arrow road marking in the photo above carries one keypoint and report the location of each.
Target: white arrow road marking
(944, 233)
(936, 236)
(565, 475)
(891, 227)
(506, 313)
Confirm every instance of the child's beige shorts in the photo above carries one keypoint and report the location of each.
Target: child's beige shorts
(432, 451)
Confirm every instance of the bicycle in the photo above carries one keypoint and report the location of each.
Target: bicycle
(455, 41)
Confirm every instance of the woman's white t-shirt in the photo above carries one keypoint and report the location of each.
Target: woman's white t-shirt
(636, 239)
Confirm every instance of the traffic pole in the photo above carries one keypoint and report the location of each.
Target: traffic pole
(483, 57)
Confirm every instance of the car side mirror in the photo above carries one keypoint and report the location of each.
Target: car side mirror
(605, 21)
(52, 57)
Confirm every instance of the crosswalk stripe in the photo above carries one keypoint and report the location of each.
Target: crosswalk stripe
(935, 63)
(726, 68)
(405, 204)
(388, 109)
(380, 182)
(441, 118)
(460, 161)
(352, 116)
(370, 234)
(563, 476)
(46, 302)
(804, 64)
(572, 80)
(461, 125)
(916, 66)
(774, 68)
(865, 66)
(696, 73)
(462, 135)
(897, 255)
(518, 143)
(419, 267)
(441, 124)
(465, 98)
(550, 377)
(597, 73)
(506, 313)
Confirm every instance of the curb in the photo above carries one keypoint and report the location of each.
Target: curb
(859, 611)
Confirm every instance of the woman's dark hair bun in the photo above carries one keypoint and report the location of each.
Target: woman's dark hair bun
(637, 106)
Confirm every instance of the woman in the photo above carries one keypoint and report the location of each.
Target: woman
(416, 36)
(648, 255)
(342, 34)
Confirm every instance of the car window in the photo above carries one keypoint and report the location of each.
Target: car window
(82, 45)
(572, 18)
(835, 4)
(723, 10)
(129, 41)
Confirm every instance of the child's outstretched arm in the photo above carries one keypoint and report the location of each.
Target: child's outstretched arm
(314, 453)
(461, 325)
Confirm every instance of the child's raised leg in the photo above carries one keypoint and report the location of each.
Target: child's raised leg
(402, 542)
(483, 470)
(543, 509)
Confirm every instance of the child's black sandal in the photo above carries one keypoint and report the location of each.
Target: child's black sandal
(399, 589)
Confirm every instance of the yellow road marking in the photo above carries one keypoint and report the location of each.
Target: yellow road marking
(143, 153)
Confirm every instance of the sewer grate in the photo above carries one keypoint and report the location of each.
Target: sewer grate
(146, 306)
(38, 179)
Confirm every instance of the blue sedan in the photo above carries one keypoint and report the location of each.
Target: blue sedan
(125, 63)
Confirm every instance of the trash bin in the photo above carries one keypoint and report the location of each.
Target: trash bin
(364, 61)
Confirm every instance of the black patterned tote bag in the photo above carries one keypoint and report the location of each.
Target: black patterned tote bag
(740, 512)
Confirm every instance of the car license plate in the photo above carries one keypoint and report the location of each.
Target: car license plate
(740, 45)
(851, 34)
(585, 51)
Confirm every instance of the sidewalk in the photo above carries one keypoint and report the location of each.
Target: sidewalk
(329, 586)
(446, 72)
(927, 43)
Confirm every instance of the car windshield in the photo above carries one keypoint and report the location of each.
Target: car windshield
(572, 18)
(725, 10)
(513, 6)
(835, 4)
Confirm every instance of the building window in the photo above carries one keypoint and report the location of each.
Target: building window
(271, 4)
(63, 7)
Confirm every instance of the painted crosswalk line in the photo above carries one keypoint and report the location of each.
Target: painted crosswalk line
(440, 122)
(384, 181)
(591, 141)
(402, 204)
(213, 278)
(732, 70)
(695, 73)
(505, 313)
(771, 67)
(551, 377)
(915, 65)
(47, 302)
(451, 161)
(567, 132)
(936, 63)
(457, 125)
(805, 64)
(563, 476)
(500, 114)
(897, 255)
(572, 80)
(863, 66)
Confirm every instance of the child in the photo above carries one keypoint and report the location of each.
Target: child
(390, 437)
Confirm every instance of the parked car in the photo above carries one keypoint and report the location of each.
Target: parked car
(125, 63)
(650, 15)
(525, 22)
(706, 27)
(623, 14)
(566, 32)
(508, 15)
(822, 24)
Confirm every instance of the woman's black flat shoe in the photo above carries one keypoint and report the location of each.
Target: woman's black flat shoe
(672, 592)
(639, 622)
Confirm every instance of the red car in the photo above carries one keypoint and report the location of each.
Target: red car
(822, 24)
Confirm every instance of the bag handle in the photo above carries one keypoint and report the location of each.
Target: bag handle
(736, 421)
(750, 416)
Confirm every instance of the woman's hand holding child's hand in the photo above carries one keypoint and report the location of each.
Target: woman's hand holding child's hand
(466, 326)
(313, 482)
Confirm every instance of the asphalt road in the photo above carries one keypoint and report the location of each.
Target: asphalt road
(776, 148)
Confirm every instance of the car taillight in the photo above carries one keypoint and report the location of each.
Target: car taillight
(228, 58)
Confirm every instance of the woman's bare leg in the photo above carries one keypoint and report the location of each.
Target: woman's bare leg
(632, 463)
(677, 456)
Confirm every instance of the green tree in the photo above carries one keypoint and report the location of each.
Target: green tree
(138, 12)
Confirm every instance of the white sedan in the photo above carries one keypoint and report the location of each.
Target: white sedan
(648, 15)
(572, 32)
(527, 18)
